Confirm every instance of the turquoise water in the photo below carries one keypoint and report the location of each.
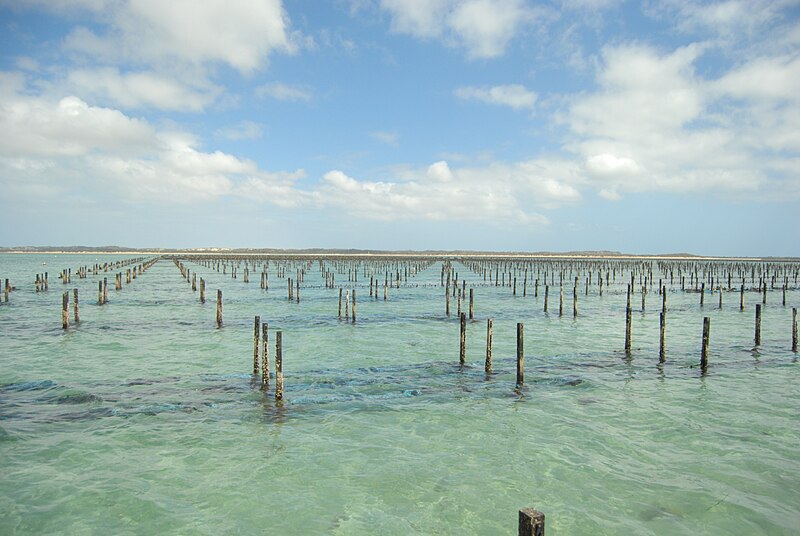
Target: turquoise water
(144, 419)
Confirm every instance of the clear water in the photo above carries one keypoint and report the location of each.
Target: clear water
(144, 419)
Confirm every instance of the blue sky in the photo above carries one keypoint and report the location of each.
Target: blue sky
(506, 125)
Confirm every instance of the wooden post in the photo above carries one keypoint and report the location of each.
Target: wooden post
(202, 290)
(794, 329)
(298, 290)
(628, 321)
(347, 305)
(488, 366)
(662, 351)
(471, 305)
(219, 308)
(702, 293)
(531, 522)
(575, 301)
(447, 297)
(741, 298)
(105, 290)
(462, 352)
(99, 293)
(758, 324)
(279, 365)
(65, 310)
(720, 297)
(75, 304)
(340, 303)
(520, 354)
(265, 355)
(256, 328)
(354, 306)
(561, 301)
(704, 349)
(546, 296)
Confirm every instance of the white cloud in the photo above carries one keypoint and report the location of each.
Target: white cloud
(245, 130)
(67, 145)
(497, 193)
(284, 92)
(483, 27)
(388, 137)
(486, 26)
(68, 127)
(241, 34)
(140, 90)
(516, 96)
(440, 172)
(654, 124)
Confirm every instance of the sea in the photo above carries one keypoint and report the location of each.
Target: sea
(145, 416)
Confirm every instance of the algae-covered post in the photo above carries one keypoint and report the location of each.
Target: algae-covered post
(520, 354)
(219, 308)
(256, 327)
(462, 352)
(471, 307)
(628, 319)
(531, 522)
(65, 310)
(488, 366)
(279, 365)
(75, 304)
(757, 337)
(741, 298)
(704, 348)
(265, 356)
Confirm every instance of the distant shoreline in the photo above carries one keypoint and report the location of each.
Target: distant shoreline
(588, 255)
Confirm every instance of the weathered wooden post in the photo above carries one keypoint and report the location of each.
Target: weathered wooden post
(256, 328)
(99, 293)
(202, 290)
(298, 290)
(65, 310)
(354, 306)
(462, 352)
(561, 301)
(704, 349)
(794, 329)
(702, 293)
(447, 297)
(531, 522)
(105, 290)
(219, 308)
(628, 321)
(265, 356)
(75, 304)
(340, 303)
(758, 324)
(741, 298)
(662, 354)
(575, 300)
(520, 354)
(471, 305)
(720, 297)
(546, 296)
(488, 366)
(279, 365)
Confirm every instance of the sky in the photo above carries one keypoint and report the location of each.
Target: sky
(660, 126)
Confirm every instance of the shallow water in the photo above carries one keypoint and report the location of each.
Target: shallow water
(143, 418)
